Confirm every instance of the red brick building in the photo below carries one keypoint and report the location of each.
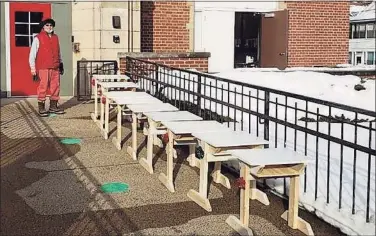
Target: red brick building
(285, 34)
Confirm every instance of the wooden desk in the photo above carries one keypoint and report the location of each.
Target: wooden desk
(215, 146)
(103, 78)
(121, 102)
(155, 128)
(269, 163)
(180, 133)
(138, 109)
(121, 98)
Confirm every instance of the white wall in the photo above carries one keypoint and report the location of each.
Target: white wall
(92, 28)
(362, 45)
(361, 48)
(214, 29)
(246, 6)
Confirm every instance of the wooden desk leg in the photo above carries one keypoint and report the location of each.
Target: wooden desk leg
(201, 197)
(218, 177)
(106, 119)
(148, 162)
(256, 194)
(167, 180)
(241, 225)
(94, 115)
(193, 161)
(132, 150)
(117, 140)
(101, 123)
(291, 215)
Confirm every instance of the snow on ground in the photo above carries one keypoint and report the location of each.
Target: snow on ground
(338, 89)
(334, 88)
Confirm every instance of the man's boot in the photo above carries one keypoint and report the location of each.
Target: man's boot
(42, 109)
(54, 108)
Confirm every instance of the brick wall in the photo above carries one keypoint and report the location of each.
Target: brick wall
(318, 33)
(164, 26)
(198, 61)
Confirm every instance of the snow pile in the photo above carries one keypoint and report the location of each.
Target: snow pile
(337, 89)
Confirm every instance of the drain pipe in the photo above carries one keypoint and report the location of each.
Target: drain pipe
(132, 27)
(129, 35)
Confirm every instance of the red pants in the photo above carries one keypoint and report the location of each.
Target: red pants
(49, 78)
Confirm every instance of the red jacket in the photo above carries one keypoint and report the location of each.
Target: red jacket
(48, 55)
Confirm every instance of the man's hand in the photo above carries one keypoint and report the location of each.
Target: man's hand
(33, 72)
(61, 68)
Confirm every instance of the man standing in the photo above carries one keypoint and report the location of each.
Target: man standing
(46, 66)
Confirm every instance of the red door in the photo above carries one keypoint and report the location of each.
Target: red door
(24, 22)
(274, 39)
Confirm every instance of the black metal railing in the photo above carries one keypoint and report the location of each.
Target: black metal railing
(339, 139)
(85, 70)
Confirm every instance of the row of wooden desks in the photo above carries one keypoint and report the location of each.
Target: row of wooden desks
(219, 144)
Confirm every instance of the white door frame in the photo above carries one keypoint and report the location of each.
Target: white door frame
(7, 49)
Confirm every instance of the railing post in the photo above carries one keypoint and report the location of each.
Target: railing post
(156, 80)
(78, 76)
(116, 67)
(199, 95)
(266, 113)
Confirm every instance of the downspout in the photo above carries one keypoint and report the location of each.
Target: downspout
(100, 32)
(193, 26)
(132, 27)
(129, 35)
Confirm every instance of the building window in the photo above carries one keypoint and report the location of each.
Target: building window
(26, 25)
(350, 58)
(370, 58)
(362, 31)
(371, 30)
(352, 31)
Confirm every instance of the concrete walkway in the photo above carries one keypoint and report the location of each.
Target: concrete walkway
(48, 188)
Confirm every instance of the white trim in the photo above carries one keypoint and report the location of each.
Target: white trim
(7, 49)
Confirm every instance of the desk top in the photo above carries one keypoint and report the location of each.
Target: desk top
(229, 138)
(118, 85)
(188, 127)
(268, 156)
(141, 108)
(113, 94)
(104, 77)
(135, 100)
(172, 116)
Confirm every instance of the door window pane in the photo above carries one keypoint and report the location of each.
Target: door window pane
(26, 25)
(370, 58)
(22, 16)
(34, 29)
(36, 17)
(22, 29)
(350, 57)
(22, 41)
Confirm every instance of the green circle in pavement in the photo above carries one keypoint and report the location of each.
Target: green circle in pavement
(52, 115)
(115, 187)
(70, 141)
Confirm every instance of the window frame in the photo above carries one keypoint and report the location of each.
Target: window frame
(29, 24)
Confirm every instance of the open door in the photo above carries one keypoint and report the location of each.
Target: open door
(274, 39)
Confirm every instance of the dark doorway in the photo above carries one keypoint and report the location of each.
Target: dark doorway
(247, 39)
